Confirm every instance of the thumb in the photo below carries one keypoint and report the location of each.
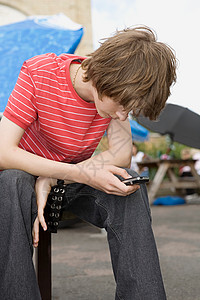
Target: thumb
(121, 172)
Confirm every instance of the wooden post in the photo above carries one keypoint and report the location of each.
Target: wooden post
(158, 178)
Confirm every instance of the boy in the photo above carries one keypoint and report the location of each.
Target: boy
(54, 120)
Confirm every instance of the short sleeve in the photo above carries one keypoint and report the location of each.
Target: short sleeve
(21, 107)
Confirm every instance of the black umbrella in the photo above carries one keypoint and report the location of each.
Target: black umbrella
(180, 123)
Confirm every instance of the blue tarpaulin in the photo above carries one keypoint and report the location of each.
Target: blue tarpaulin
(139, 133)
(169, 200)
(33, 36)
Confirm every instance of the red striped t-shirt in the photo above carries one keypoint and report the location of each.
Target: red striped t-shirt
(58, 124)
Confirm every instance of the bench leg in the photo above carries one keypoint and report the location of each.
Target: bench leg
(44, 264)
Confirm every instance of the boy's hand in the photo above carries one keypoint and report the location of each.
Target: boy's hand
(103, 178)
(98, 177)
(42, 188)
(35, 232)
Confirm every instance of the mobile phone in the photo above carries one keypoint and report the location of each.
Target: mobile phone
(135, 180)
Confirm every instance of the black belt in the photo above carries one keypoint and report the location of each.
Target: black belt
(55, 206)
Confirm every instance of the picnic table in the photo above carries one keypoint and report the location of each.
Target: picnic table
(166, 176)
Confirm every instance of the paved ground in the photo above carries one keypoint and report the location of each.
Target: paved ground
(81, 262)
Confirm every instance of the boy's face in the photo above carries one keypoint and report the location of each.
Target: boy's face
(107, 108)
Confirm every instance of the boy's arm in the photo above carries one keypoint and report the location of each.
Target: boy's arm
(119, 150)
(92, 172)
(88, 172)
(118, 154)
(13, 157)
(120, 142)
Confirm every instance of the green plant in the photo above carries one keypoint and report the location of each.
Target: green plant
(155, 148)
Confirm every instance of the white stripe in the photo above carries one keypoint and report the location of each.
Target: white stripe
(83, 128)
(74, 133)
(50, 86)
(39, 143)
(36, 57)
(45, 91)
(36, 144)
(41, 60)
(39, 140)
(64, 154)
(16, 91)
(22, 110)
(19, 116)
(50, 79)
(25, 89)
(61, 142)
(33, 84)
(63, 148)
(63, 110)
(60, 116)
(20, 144)
(39, 67)
(23, 79)
(64, 137)
(30, 108)
(49, 72)
(28, 145)
(67, 104)
(73, 150)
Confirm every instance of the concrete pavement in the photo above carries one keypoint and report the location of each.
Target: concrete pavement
(81, 260)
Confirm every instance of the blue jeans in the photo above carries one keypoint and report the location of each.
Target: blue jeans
(126, 219)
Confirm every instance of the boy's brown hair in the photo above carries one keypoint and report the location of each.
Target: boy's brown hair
(133, 69)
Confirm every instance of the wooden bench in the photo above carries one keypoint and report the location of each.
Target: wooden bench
(43, 265)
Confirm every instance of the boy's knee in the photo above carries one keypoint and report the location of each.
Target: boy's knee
(17, 193)
(12, 176)
(14, 173)
(15, 184)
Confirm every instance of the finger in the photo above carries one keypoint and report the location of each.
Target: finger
(120, 171)
(122, 193)
(133, 188)
(42, 194)
(117, 187)
(42, 219)
(122, 186)
(36, 233)
(131, 191)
